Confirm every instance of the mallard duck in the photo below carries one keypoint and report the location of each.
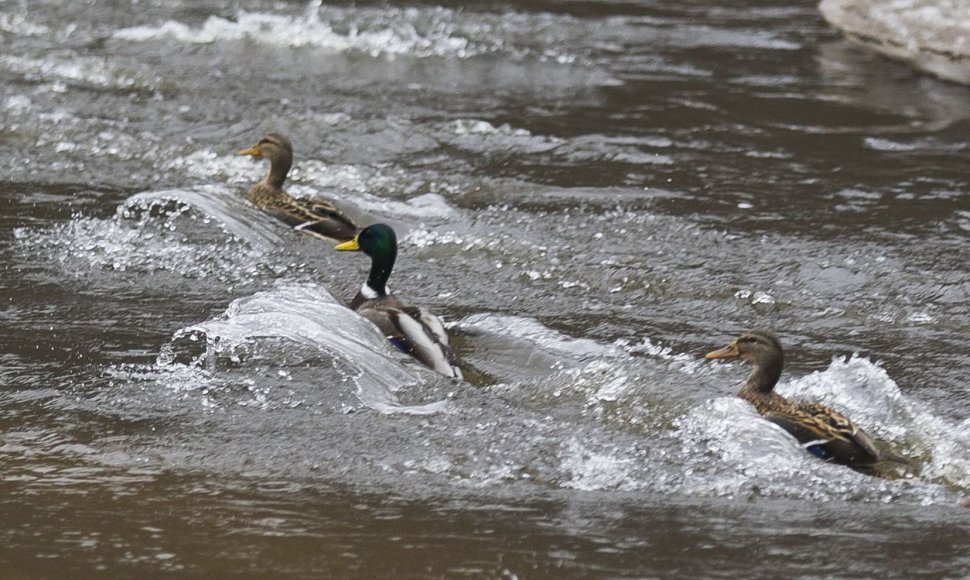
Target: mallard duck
(318, 218)
(822, 431)
(411, 329)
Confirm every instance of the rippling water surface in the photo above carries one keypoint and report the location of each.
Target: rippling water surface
(592, 194)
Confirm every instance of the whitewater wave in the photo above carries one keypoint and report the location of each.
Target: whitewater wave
(308, 315)
(388, 32)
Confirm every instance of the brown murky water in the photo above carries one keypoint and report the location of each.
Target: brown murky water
(591, 193)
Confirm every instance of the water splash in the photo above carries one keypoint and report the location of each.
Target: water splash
(308, 315)
(233, 214)
(866, 392)
(738, 453)
(482, 137)
(388, 33)
(729, 450)
(538, 335)
(84, 72)
(930, 35)
(193, 233)
(593, 469)
(20, 25)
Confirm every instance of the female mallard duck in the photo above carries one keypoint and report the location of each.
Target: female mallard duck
(318, 218)
(411, 329)
(822, 431)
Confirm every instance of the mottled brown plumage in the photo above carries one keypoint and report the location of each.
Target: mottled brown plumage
(318, 218)
(824, 432)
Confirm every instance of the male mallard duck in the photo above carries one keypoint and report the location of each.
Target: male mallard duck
(822, 431)
(318, 218)
(411, 329)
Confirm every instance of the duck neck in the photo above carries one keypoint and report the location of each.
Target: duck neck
(279, 168)
(380, 270)
(762, 380)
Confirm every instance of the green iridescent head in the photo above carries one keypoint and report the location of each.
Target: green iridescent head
(380, 243)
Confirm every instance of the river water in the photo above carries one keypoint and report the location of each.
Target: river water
(591, 193)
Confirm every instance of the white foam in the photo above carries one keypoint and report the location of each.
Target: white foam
(542, 337)
(479, 127)
(237, 169)
(227, 207)
(729, 450)
(933, 35)
(83, 71)
(423, 238)
(17, 103)
(309, 315)
(481, 137)
(389, 32)
(888, 145)
(18, 24)
(594, 470)
(428, 206)
(393, 38)
(603, 380)
(869, 396)
(694, 36)
(933, 144)
(210, 165)
(731, 428)
(686, 362)
(145, 235)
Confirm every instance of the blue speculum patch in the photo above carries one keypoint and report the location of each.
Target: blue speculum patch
(821, 451)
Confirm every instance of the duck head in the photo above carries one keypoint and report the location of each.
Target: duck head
(279, 151)
(762, 350)
(380, 243)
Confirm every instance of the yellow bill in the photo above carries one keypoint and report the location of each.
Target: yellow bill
(351, 245)
(252, 151)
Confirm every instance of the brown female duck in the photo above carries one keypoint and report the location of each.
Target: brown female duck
(822, 431)
(318, 218)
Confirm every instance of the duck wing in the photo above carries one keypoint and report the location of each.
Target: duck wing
(318, 218)
(825, 433)
(322, 219)
(421, 334)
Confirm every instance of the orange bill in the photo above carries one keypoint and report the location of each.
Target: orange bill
(729, 351)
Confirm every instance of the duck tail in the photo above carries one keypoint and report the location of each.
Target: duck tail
(894, 458)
